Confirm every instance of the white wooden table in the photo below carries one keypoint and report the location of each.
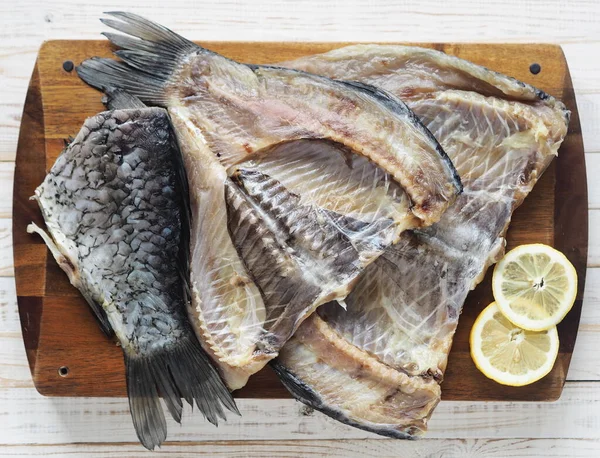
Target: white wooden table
(31, 425)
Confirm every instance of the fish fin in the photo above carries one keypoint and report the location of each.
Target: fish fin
(297, 388)
(118, 99)
(144, 404)
(102, 73)
(180, 371)
(305, 394)
(101, 317)
(69, 269)
(149, 58)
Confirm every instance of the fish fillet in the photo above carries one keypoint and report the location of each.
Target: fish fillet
(266, 248)
(501, 135)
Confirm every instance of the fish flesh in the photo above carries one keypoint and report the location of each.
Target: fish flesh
(266, 248)
(114, 207)
(378, 364)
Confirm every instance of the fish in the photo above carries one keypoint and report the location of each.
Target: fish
(266, 248)
(378, 365)
(116, 216)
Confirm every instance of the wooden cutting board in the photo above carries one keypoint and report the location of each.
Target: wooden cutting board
(68, 354)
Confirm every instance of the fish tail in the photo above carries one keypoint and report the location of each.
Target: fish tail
(150, 54)
(118, 99)
(180, 371)
(146, 412)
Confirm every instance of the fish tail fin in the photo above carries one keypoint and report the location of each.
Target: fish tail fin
(118, 99)
(181, 371)
(150, 54)
(146, 412)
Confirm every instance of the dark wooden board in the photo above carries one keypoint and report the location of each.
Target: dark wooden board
(60, 331)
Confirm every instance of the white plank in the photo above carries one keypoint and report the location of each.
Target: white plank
(448, 448)
(495, 20)
(588, 106)
(6, 256)
(16, 65)
(7, 170)
(585, 74)
(31, 418)
(592, 165)
(583, 70)
(14, 369)
(585, 364)
(594, 238)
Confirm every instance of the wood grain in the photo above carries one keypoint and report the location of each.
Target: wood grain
(448, 448)
(592, 165)
(6, 257)
(576, 415)
(58, 102)
(594, 240)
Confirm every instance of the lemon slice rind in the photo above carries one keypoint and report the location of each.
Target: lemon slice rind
(509, 306)
(482, 362)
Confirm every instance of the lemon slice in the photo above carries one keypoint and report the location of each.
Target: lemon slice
(508, 354)
(534, 286)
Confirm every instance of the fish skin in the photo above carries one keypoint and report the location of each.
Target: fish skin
(227, 114)
(434, 70)
(115, 214)
(501, 135)
(353, 387)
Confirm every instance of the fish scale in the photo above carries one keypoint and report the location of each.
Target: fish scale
(114, 210)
